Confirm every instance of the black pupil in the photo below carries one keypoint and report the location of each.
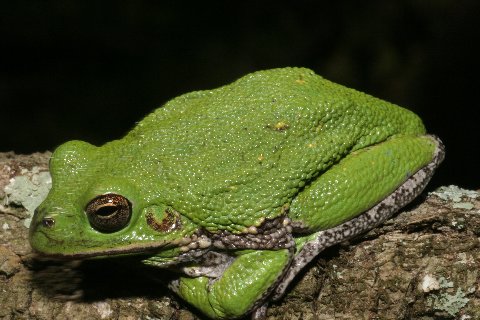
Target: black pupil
(109, 212)
(106, 211)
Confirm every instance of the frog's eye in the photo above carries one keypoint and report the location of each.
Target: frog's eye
(109, 212)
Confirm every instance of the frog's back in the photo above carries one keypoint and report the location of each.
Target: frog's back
(233, 155)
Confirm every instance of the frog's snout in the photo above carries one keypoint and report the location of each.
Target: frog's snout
(41, 223)
(42, 219)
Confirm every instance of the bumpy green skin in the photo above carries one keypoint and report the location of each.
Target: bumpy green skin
(226, 160)
(336, 193)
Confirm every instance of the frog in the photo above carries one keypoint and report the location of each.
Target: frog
(237, 189)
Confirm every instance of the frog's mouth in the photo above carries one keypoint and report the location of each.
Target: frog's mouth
(43, 243)
(128, 250)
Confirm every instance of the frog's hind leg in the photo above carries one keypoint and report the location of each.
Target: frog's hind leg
(380, 212)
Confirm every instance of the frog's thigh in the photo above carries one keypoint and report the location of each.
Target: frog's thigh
(361, 180)
(402, 194)
(242, 287)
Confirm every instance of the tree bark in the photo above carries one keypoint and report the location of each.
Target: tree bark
(422, 264)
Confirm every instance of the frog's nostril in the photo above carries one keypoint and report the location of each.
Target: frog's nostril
(48, 222)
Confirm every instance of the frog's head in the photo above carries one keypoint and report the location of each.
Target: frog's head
(95, 209)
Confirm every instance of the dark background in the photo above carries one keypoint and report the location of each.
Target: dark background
(89, 70)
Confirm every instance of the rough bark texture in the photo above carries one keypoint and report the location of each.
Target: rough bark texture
(422, 264)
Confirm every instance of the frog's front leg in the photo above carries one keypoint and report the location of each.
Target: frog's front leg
(245, 282)
(386, 177)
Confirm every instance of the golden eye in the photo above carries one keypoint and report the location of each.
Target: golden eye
(109, 212)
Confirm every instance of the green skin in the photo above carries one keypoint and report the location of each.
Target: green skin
(282, 145)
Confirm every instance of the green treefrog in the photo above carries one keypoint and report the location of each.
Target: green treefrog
(238, 188)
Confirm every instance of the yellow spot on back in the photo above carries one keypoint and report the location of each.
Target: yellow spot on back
(280, 126)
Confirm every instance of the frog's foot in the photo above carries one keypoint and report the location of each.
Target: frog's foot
(240, 270)
(382, 211)
(236, 284)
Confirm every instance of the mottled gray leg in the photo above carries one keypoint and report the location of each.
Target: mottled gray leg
(364, 222)
(260, 313)
(212, 265)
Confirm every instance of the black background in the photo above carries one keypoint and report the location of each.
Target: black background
(90, 69)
